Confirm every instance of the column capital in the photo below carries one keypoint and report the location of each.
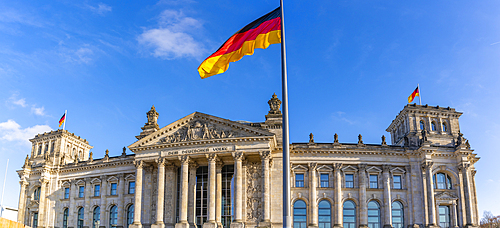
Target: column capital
(386, 168)
(212, 157)
(337, 166)
(362, 167)
(219, 164)
(184, 159)
(23, 183)
(139, 164)
(265, 155)
(427, 164)
(463, 166)
(162, 162)
(238, 156)
(408, 168)
(313, 166)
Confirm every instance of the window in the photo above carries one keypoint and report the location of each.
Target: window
(66, 193)
(113, 216)
(299, 214)
(96, 218)
(442, 181)
(433, 126)
(39, 150)
(349, 213)
(397, 215)
(36, 194)
(97, 190)
(79, 223)
(35, 220)
(324, 214)
(131, 187)
(349, 181)
(81, 191)
(65, 218)
(52, 147)
(373, 181)
(130, 215)
(396, 179)
(299, 180)
(227, 201)
(445, 128)
(113, 189)
(373, 215)
(421, 125)
(201, 195)
(324, 180)
(444, 216)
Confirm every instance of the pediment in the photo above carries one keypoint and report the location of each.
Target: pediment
(446, 196)
(349, 168)
(299, 168)
(397, 170)
(197, 127)
(373, 169)
(325, 168)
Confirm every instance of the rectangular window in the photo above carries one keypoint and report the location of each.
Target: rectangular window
(349, 180)
(66, 193)
(397, 181)
(324, 180)
(373, 181)
(97, 190)
(81, 190)
(299, 180)
(113, 189)
(35, 220)
(131, 187)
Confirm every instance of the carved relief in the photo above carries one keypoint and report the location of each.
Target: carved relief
(254, 191)
(198, 130)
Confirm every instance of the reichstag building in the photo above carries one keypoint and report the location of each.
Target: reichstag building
(208, 172)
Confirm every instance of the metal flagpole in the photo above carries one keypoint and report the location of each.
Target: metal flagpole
(65, 118)
(3, 189)
(286, 146)
(419, 94)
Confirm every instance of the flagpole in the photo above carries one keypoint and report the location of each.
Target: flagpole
(419, 94)
(286, 145)
(65, 118)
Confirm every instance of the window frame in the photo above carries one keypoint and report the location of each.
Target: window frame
(302, 224)
(113, 216)
(81, 191)
(448, 183)
(402, 216)
(325, 224)
(373, 184)
(97, 190)
(36, 193)
(346, 182)
(98, 219)
(377, 216)
(400, 181)
(448, 216)
(65, 218)
(433, 126)
(344, 215)
(129, 188)
(115, 190)
(298, 182)
(66, 192)
(324, 183)
(130, 214)
(79, 221)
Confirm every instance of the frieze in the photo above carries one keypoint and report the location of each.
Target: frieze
(254, 191)
(201, 150)
(199, 130)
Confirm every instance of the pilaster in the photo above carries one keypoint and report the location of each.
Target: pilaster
(363, 209)
(238, 194)
(211, 223)
(139, 165)
(183, 201)
(338, 221)
(313, 195)
(161, 194)
(265, 157)
(387, 196)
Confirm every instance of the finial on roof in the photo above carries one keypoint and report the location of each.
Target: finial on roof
(360, 139)
(311, 138)
(274, 105)
(335, 138)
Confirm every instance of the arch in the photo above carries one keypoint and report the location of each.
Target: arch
(65, 218)
(444, 127)
(130, 214)
(445, 169)
(325, 198)
(300, 198)
(113, 216)
(405, 205)
(442, 181)
(374, 214)
(356, 202)
(96, 217)
(80, 217)
(397, 214)
(349, 214)
(433, 126)
(324, 214)
(299, 214)
(36, 193)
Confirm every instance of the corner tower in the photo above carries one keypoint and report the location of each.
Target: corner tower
(416, 124)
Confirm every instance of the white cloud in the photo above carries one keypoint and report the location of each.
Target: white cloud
(172, 39)
(100, 9)
(40, 111)
(12, 131)
(21, 102)
(84, 54)
(15, 100)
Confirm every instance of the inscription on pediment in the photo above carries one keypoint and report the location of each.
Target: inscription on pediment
(198, 130)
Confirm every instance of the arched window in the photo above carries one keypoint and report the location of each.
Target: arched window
(46, 148)
(373, 215)
(36, 194)
(113, 216)
(433, 126)
(79, 224)
(445, 128)
(96, 218)
(65, 218)
(442, 181)
(421, 125)
(52, 147)
(39, 149)
(349, 213)
(397, 215)
(324, 214)
(299, 214)
(130, 215)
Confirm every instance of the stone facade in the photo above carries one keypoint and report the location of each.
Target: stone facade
(203, 170)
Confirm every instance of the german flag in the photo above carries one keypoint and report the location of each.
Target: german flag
(259, 34)
(413, 95)
(63, 118)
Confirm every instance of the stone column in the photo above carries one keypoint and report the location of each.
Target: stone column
(171, 194)
(363, 208)
(211, 223)
(22, 201)
(138, 194)
(87, 220)
(238, 190)
(427, 165)
(191, 206)
(313, 195)
(464, 168)
(160, 202)
(387, 196)
(454, 214)
(103, 193)
(338, 195)
(42, 202)
(183, 201)
(72, 209)
(121, 200)
(265, 157)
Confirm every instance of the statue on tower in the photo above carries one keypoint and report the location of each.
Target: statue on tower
(152, 124)
(274, 105)
(152, 116)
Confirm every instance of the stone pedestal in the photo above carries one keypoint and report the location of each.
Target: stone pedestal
(182, 225)
(236, 225)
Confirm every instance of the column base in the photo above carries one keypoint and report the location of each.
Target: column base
(158, 225)
(432, 226)
(219, 225)
(264, 224)
(237, 225)
(470, 226)
(212, 224)
(387, 226)
(312, 226)
(182, 225)
(414, 226)
(135, 225)
(363, 226)
(338, 226)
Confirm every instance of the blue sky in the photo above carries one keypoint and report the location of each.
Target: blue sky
(351, 67)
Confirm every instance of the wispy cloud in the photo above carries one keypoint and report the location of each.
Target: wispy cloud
(12, 131)
(14, 16)
(39, 111)
(100, 9)
(340, 116)
(173, 39)
(16, 101)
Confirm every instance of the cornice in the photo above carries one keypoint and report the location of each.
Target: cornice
(83, 166)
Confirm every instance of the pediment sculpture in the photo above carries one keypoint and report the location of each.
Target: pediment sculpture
(199, 130)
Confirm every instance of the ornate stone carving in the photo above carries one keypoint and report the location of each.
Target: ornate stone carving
(386, 168)
(26, 162)
(106, 155)
(362, 167)
(335, 138)
(265, 155)
(139, 164)
(383, 140)
(311, 138)
(124, 151)
(238, 156)
(463, 166)
(274, 105)
(360, 139)
(152, 117)
(198, 130)
(254, 191)
(313, 165)
(337, 166)
(211, 157)
(427, 165)
(161, 162)
(91, 158)
(184, 159)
